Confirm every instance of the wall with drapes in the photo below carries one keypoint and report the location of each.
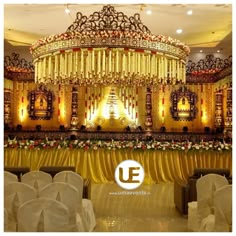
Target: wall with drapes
(92, 103)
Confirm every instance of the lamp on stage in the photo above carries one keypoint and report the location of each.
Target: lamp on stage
(139, 128)
(120, 51)
(62, 128)
(82, 128)
(128, 129)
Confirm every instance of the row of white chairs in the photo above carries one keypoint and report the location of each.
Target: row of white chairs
(212, 212)
(66, 187)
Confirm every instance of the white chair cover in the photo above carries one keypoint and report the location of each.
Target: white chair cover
(9, 178)
(36, 179)
(43, 215)
(88, 214)
(72, 178)
(68, 195)
(5, 220)
(15, 194)
(221, 220)
(87, 208)
(206, 186)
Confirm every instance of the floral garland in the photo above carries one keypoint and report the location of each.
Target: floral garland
(115, 145)
(110, 34)
(206, 71)
(19, 69)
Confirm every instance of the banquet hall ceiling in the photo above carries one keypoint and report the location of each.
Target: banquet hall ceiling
(208, 28)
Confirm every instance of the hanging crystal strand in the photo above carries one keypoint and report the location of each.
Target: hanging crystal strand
(82, 63)
(177, 70)
(66, 65)
(159, 68)
(39, 69)
(173, 69)
(162, 68)
(184, 73)
(128, 62)
(156, 66)
(134, 63)
(93, 61)
(89, 63)
(113, 63)
(138, 59)
(36, 70)
(117, 62)
(145, 65)
(44, 68)
(62, 65)
(141, 64)
(56, 65)
(76, 70)
(109, 62)
(103, 62)
(86, 58)
(128, 93)
(181, 72)
(49, 73)
(131, 63)
(99, 63)
(123, 64)
(151, 65)
(70, 64)
(166, 67)
(169, 67)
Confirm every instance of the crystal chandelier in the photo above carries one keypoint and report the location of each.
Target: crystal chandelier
(110, 49)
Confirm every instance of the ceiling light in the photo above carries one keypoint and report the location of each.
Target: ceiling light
(148, 12)
(189, 12)
(67, 10)
(179, 31)
(201, 50)
(218, 50)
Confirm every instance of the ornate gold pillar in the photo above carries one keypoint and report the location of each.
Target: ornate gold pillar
(7, 108)
(219, 111)
(148, 120)
(74, 109)
(228, 119)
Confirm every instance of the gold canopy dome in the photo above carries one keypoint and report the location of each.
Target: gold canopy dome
(109, 48)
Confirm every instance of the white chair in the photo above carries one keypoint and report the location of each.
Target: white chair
(15, 194)
(43, 215)
(36, 179)
(9, 178)
(221, 220)
(206, 186)
(87, 208)
(68, 195)
(5, 220)
(72, 178)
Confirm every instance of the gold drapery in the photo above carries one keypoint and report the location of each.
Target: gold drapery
(99, 165)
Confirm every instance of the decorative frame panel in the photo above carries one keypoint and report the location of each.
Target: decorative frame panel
(40, 103)
(183, 104)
